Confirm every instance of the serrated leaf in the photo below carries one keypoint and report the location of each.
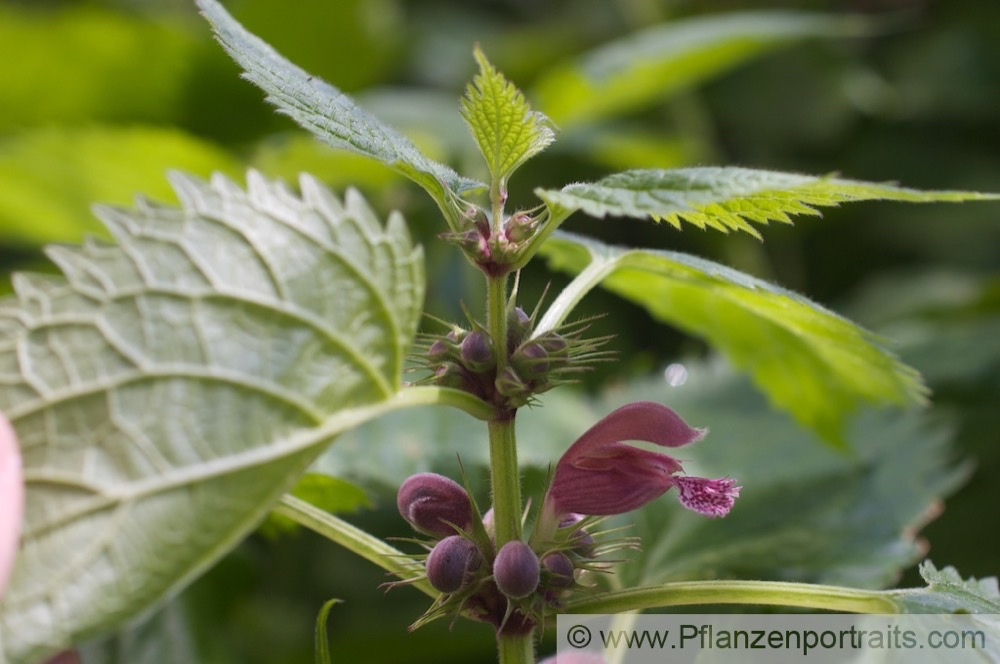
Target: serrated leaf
(328, 113)
(811, 362)
(948, 592)
(658, 62)
(172, 387)
(727, 198)
(54, 174)
(806, 512)
(507, 131)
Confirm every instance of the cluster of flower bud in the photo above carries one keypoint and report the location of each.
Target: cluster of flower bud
(494, 251)
(465, 563)
(467, 360)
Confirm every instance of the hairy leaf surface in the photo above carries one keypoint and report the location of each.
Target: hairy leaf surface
(660, 61)
(727, 198)
(810, 361)
(507, 131)
(173, 386)
(327, 112)
(948, 592)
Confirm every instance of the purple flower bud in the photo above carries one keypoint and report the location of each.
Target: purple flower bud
(438, 350)
(489, 524)
(477, 351)
(531, 360)
(600, 475)
(553, 344)
(518, 327)
(516, 569)
(582, 541)
(559, 568)
(451, 563)
(430, 502)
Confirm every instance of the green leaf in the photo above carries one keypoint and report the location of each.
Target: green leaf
(54, 174)
(727, 198)
(664, 60)
(76, 64)
(811, 362)
(507, 130)
(330, 114)
(322, 642)
(172, 387)
(948, 592)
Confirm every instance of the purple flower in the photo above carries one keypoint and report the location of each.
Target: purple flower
(601, 475)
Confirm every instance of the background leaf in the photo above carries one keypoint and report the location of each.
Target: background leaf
(948, 592)
(662, 60)
(327, 112)
(811, 362)
(172, 387)
(50, 177)
(727, 198)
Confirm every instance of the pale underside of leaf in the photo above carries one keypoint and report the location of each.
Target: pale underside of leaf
(727, 198)
(327, 112)
(811, 362)
(507, 131)
(654, 64)
(171, 387)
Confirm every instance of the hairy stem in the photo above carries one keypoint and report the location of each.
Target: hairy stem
(774, 593)
(516, 649)
(505, 476)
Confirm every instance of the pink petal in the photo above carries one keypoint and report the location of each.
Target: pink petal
(617, 479)
(11, 499)
(708, 497)
(642, 420)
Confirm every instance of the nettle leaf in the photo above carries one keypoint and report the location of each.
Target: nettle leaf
(726, 198)
(811, 362)
(170, 388)
(327, 112)
(507, 131)
(948, 592)
(661, 61)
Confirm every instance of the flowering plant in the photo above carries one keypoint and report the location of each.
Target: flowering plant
(172, 389)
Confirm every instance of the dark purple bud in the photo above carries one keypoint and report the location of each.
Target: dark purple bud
(452, 562)
(438, 350)
(477, 351)
(553, 344)
(559, 569)
(518, 327)
(430, 502)
(520, 227)
(581, 541)
(516, 569)
(531, 360)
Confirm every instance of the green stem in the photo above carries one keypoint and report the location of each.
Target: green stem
(516, 650)
(353, 539)
(775, 593)
(505, 476)
(430, 395)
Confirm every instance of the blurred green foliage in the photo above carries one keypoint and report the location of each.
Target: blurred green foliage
(98, 97)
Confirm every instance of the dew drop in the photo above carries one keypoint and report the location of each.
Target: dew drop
(676, 375)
